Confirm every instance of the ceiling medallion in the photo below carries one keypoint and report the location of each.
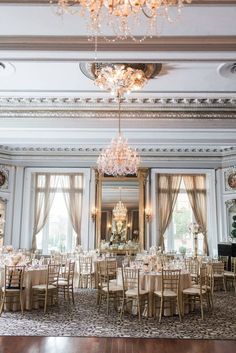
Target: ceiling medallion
(120, 78)
(122, 17)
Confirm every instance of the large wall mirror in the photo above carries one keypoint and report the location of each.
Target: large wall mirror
(120, 203)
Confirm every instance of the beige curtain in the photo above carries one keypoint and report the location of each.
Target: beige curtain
(196, 188)
(72, 186)
(168, 189)
(45, 189)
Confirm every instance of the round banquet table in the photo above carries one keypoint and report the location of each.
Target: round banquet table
(151, 281)
(32, 277)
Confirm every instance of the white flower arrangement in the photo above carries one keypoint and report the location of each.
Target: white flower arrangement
(194, 228)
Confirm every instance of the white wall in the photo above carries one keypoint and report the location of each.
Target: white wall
(19, 212)
(222, 196)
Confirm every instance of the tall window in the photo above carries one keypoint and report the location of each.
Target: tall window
(177, 236)
(61, 208)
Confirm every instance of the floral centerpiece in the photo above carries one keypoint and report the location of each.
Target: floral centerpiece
(194, 228)
(9, 248)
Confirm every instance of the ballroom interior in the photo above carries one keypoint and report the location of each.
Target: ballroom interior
(136, 170)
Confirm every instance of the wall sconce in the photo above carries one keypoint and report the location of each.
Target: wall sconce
(94, 212)
(148, 214)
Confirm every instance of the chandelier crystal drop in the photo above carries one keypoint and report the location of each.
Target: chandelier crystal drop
(119, 212)
(118, 159)
(123, 16)
(120, 79)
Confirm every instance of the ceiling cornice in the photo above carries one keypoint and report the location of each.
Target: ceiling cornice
(108, 115)
(132, 103)
(145, 151)
(81, 43)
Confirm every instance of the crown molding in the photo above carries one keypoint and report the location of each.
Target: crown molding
(106, 108)
(145, 151)
(81, 43)
(110, 115)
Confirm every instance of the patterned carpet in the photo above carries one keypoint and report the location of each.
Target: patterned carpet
(84, 320)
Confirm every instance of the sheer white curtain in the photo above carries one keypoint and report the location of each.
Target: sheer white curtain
(45, 189)
(196, 189)
(72, 187)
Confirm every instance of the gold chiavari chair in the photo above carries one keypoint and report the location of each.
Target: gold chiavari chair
(169, 293)
(108, 288)
(86, 272)
(13, 286)
(207, 284)
(195, 294)
(225, 260)
(132, 293)
(66, 283)
(230, 276)
(192, 266)
(48, 291)
(217, 274)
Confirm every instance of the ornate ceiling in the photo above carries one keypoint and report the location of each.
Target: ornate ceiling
(48, 107)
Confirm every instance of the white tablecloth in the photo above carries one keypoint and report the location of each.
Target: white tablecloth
(32, 277)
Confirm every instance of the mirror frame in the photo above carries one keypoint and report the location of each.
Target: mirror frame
(141, 177)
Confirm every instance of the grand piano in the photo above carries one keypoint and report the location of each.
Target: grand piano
(227, 249)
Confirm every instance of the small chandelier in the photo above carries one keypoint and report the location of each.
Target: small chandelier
(122, 16)
(120, 79)
(118, 159)
(119, 211)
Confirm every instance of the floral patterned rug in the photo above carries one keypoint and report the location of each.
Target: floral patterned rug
(83, 319)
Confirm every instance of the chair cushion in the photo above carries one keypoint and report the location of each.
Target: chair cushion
(43, 287)
(229, 274)
(193, 291)
(134, 292)
(203, 287)
(166, 293)
(11, 289)
(62, 282)
(113, 288)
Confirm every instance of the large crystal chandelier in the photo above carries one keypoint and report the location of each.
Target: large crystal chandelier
(122, 16)
(118, 159)
(119, 79)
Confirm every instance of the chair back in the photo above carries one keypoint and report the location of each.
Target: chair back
(14, 277)
(205, 278)
(53, 274)
(225, 260)
(130, 278)
(233, 264)
(192, 266)
(85, 264)
(70, 272)
(170, 280)
(107, 270)
(218, 268)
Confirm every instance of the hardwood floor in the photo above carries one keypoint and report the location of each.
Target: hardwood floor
(11, 344)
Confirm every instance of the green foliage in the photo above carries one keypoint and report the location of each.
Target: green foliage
(181, 219)
(233, 233)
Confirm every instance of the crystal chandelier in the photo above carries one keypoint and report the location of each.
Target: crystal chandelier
(119, 79)
(119, 211)
(122, 16)
(118, 159)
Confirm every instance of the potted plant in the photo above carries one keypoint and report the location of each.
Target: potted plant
(233, 231)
